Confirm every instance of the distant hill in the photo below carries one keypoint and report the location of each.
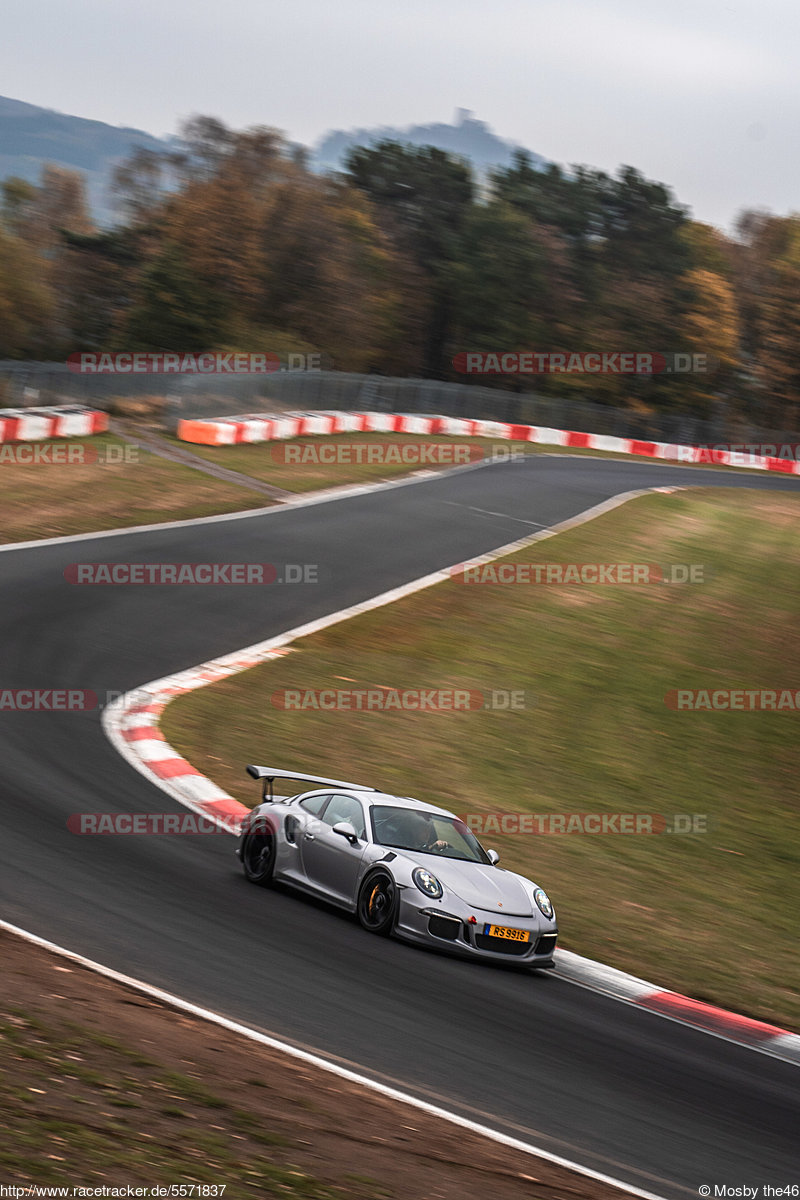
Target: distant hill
(31, 136)
(467, 137)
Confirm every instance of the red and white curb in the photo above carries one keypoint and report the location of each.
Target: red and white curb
(719, 1021)
(261, 427)
(62, 421)
(131, 724)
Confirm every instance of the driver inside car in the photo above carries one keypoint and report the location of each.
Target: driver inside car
(425, 835)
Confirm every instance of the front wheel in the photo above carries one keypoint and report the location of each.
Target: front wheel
(258, 858)
(377, 904)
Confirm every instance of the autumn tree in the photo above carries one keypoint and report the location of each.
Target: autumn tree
(250, 250)
(17, 205)
(768, 280)
(399, 263)
(330, 275)
(26, 299)
(500, 283)
(58, 206)
(173, 311)
(423, 198)
(216, 217)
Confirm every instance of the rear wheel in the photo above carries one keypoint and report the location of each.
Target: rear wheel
(258, 858)
(377, 904)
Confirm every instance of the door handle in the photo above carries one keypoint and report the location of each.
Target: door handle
(308, 837)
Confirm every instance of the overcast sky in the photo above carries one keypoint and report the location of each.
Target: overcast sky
(703, 96)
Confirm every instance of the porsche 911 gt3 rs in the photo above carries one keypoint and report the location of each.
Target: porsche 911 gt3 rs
(405, 868)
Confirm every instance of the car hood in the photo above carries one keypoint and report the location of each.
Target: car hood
(485, 887)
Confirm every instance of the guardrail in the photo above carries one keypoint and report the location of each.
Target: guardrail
(184, 396)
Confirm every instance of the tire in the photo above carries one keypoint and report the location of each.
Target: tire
(377, 904)
(258, 858)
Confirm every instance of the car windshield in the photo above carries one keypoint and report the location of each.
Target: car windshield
(426, 833)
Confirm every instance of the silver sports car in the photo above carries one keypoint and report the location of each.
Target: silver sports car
(403, 867)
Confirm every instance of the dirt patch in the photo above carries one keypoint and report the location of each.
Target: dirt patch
(101, 1085)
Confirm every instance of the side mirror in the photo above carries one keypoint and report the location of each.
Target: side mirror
(493, 856)
(346, 830)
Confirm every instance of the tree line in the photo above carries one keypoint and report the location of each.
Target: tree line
(399, 263)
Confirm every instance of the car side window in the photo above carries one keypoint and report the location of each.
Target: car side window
(315, 804)
(346, 808)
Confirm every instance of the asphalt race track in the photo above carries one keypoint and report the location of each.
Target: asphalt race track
(642, 1098)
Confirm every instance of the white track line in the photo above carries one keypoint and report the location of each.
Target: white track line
(325, 496)
(300, 500)
(323, 1064)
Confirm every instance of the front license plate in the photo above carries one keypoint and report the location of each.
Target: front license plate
(502, 931)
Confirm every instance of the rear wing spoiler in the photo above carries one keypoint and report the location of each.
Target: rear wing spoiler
(269, 774)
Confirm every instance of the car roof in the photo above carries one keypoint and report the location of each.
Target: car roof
(372, 798)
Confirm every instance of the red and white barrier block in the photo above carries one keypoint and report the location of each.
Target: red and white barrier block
(263, 427)
(63, 421)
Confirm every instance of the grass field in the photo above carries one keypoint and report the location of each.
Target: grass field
(710, 914)
(131, 487)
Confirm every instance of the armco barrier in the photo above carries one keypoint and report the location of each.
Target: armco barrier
(33, 424)
(262, 427)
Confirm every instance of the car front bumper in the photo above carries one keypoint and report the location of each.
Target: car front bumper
(455, 929)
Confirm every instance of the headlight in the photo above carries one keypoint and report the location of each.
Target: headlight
(427, 883)
(543, 903)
